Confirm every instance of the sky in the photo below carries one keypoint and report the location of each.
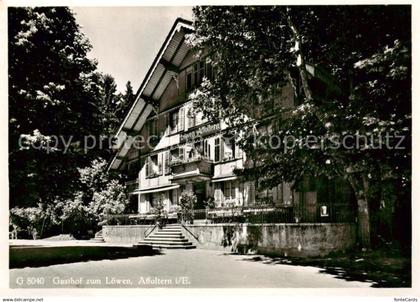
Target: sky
(126, 40)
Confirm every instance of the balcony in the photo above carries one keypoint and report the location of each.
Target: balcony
(194, 169)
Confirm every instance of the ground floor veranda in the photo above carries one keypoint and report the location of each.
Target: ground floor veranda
(302, 220)
(229, 200)
(335, 214)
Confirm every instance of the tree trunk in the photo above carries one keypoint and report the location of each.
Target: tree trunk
(363, 221)
(361, 190)
(363, 218)
(42, 227)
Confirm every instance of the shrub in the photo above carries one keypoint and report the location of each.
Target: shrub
(186, 202)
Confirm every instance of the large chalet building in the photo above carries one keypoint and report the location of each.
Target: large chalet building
(184, 151)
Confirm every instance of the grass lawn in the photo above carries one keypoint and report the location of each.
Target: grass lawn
(36, 256)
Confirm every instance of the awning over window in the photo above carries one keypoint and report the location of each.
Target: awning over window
(155, 190)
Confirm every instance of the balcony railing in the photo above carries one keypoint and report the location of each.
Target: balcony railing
(175, 161)
(200, 163)
(153, 174)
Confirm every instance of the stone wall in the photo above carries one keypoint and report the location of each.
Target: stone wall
(124, 233)
(303, 239)
(285, 239)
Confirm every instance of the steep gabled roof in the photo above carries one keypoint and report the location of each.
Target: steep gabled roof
(165, 65)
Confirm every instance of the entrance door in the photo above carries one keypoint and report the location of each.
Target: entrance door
(199, 190)
(133, 204)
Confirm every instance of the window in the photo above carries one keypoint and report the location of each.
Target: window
(189, 81)
(196, 73)
(181, 153)
(238, 151)
(147, 167)
(173, 121)
(241, 193)
(152, 199)
(152, 127)
(280, 194)
(207, 149)
(133, 168)
(181, 119)
(191, 152)
(177, 155)
(154, 165)
(174, 155)
(167, 169)
(209, 70)
(154, 168)
(229, 148)
(217, 149)
(176, 120)
(225, 148)
(201, 72)
(191, 118)
(197, 80)
(218, 197)
(156, 199)
(199, 146)
(229, 191)
(173, 197)
(265, 196)
(287, 193)
(195, 117)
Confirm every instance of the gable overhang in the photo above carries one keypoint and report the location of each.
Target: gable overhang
(164, 67)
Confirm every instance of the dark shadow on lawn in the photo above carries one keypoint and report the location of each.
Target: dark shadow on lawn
(381, 272)
(37, 256)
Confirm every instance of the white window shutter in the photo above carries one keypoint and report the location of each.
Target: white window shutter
(167, 126)
(166, 154)
(181, 119)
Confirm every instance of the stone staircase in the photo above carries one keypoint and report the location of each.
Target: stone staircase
(168, 237)
(98, 237)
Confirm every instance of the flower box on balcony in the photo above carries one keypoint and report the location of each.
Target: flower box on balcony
(225, 212)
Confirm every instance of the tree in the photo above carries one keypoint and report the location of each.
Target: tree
(113, 105)
(349, 72)
(127, 99)
(34, 220)
(53, 93)
(57, 99)
(73, 215)
(101, 193)
(110, 104)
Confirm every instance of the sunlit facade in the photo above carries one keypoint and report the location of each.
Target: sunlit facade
(181, 149)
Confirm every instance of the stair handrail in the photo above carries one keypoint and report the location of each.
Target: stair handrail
(154, 226)
(191, 233)
(99, 233)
